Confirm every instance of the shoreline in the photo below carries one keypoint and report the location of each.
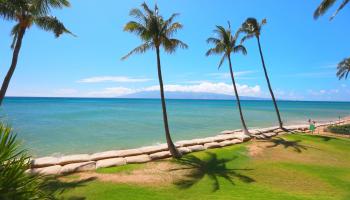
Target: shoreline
(50, 165)
(156, 143)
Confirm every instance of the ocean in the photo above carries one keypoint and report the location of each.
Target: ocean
(59, 126)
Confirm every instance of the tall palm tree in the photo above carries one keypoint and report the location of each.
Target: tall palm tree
(26, 13)
(252, 28)
(156, 32)
(325, 5)
(225, 44)
(343, 69)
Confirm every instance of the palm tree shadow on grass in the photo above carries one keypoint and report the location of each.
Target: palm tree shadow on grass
(58, 187)
(210, 166)
(324, 138)
(295, 144)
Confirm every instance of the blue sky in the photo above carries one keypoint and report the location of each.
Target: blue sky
(300, 53)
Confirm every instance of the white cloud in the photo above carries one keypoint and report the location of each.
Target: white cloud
(112, 92)
(207, 87)
(238, 74)
(116, 79)
(323, 92)
(286, 95)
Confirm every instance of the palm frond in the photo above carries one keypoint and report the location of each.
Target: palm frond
(213, 40)
(43, 7)
(137, 13)
(171, 19)
(14, 33)
(138, 29)
(140, 49)
(323, 7)
(15, 182)
(218, 49)
(240, 48)
(170, 45)
(222, 33)
(172, 29)
(8, 10)
(340, 8)
(169, 22)
(49, 23)
(222, 61)
(246, 37)
(146, 8)
(343, 69)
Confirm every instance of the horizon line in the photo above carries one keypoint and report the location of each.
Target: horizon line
(261, 99)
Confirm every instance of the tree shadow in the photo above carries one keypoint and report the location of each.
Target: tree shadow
(295, 145)
(324, 138)
(210, 166)
(57, 186)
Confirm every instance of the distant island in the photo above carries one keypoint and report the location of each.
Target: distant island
(187, 95)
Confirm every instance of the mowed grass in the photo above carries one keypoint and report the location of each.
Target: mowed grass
(291, 167)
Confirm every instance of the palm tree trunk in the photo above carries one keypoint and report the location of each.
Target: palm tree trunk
(245, 129)
(269, 85)
(9, 74)
(174, 152)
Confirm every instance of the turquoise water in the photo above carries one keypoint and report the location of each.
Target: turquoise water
(76, 125)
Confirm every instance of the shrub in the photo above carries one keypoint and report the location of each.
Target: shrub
(339, 129)
(15, 183)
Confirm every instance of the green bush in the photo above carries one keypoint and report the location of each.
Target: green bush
(339, 129)
(15, 183)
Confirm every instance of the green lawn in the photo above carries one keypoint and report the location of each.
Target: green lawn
(294, 167)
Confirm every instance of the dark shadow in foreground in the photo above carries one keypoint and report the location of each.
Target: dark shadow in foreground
(295, 144)
(210, 166)
(58, 186)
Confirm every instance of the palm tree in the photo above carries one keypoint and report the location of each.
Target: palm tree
(26, 13)
(226, 44)
(325, 5)
(252, 28)
(156, 32)
(343, 69)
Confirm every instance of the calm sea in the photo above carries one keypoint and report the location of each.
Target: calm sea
(53, 126)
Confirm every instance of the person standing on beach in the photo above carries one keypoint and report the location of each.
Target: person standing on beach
(312, 126)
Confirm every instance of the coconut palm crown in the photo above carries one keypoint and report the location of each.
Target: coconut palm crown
(326, 5)
(27, 13)
(224, 45)
(156, 32)
(343, 69)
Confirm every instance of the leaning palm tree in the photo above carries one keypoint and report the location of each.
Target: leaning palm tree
(252, 28)
(225, 44)
(26, 13)
(343, 69)
(325, 5)
(156, 32)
